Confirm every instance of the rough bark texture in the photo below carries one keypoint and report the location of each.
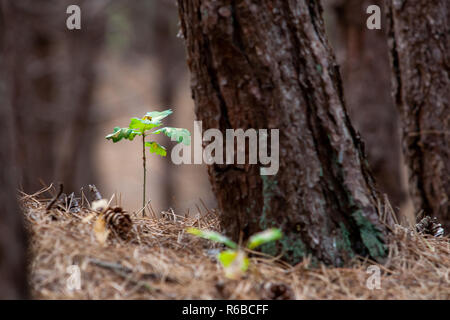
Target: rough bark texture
(419, 35)
(267, 64)
(51, 75)
(366, 77)
(13, 271)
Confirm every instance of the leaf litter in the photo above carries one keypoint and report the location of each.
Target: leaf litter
(159, 260)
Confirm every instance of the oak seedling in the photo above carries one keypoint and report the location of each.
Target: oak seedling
(235, 261)
(143, 127)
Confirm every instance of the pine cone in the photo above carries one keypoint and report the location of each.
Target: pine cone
(430, 226)
(118, 220)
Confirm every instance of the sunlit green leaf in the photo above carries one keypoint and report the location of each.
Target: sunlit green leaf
(122, 133)
(226, 257)
(157, 115)
(143, 125)
(234, 262)
(176, 134)
(264, 237)
(156, 148)
(213, 236)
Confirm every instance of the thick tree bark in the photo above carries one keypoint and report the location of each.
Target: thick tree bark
(51, 72)
(366, 78)
(13, 270)
(267, 64)
(419, 35)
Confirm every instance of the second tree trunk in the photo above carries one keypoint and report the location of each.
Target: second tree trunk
(419, 37)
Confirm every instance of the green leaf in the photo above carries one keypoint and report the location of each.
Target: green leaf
(264, 237)
(234, 262)
(177, 134)
(226, 257)
(213, 236)
(157, 115)
(143, 125)
(156, 148)
(122, 133)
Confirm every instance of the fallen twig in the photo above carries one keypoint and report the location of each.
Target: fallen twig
(50, 205)
(122, 271)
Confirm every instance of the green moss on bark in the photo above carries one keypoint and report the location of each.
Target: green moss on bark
(344, 243)
(370, 236)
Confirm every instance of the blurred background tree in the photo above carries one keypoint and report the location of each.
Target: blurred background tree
(363, 55)
(51, 72)
(13, 240)
(419, 33)
(67, 89)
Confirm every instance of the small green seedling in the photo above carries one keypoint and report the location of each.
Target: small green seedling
(234, 260)
(142, 127)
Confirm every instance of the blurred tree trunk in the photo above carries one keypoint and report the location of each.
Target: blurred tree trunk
(270, 66)
(366, 78)
(419, 35)
(13, 269)
(52, 74)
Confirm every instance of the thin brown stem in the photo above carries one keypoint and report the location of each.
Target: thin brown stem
(145, 174)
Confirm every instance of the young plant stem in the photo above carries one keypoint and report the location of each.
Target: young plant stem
(145, 174)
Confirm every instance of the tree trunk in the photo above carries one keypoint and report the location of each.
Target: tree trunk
(52, 73)
(13, 270)
(419, 35)
(366, 78)
(269, 65)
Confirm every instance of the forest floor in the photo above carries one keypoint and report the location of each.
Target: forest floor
(161, 261)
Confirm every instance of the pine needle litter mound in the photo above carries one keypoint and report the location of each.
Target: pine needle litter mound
(154, 258)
